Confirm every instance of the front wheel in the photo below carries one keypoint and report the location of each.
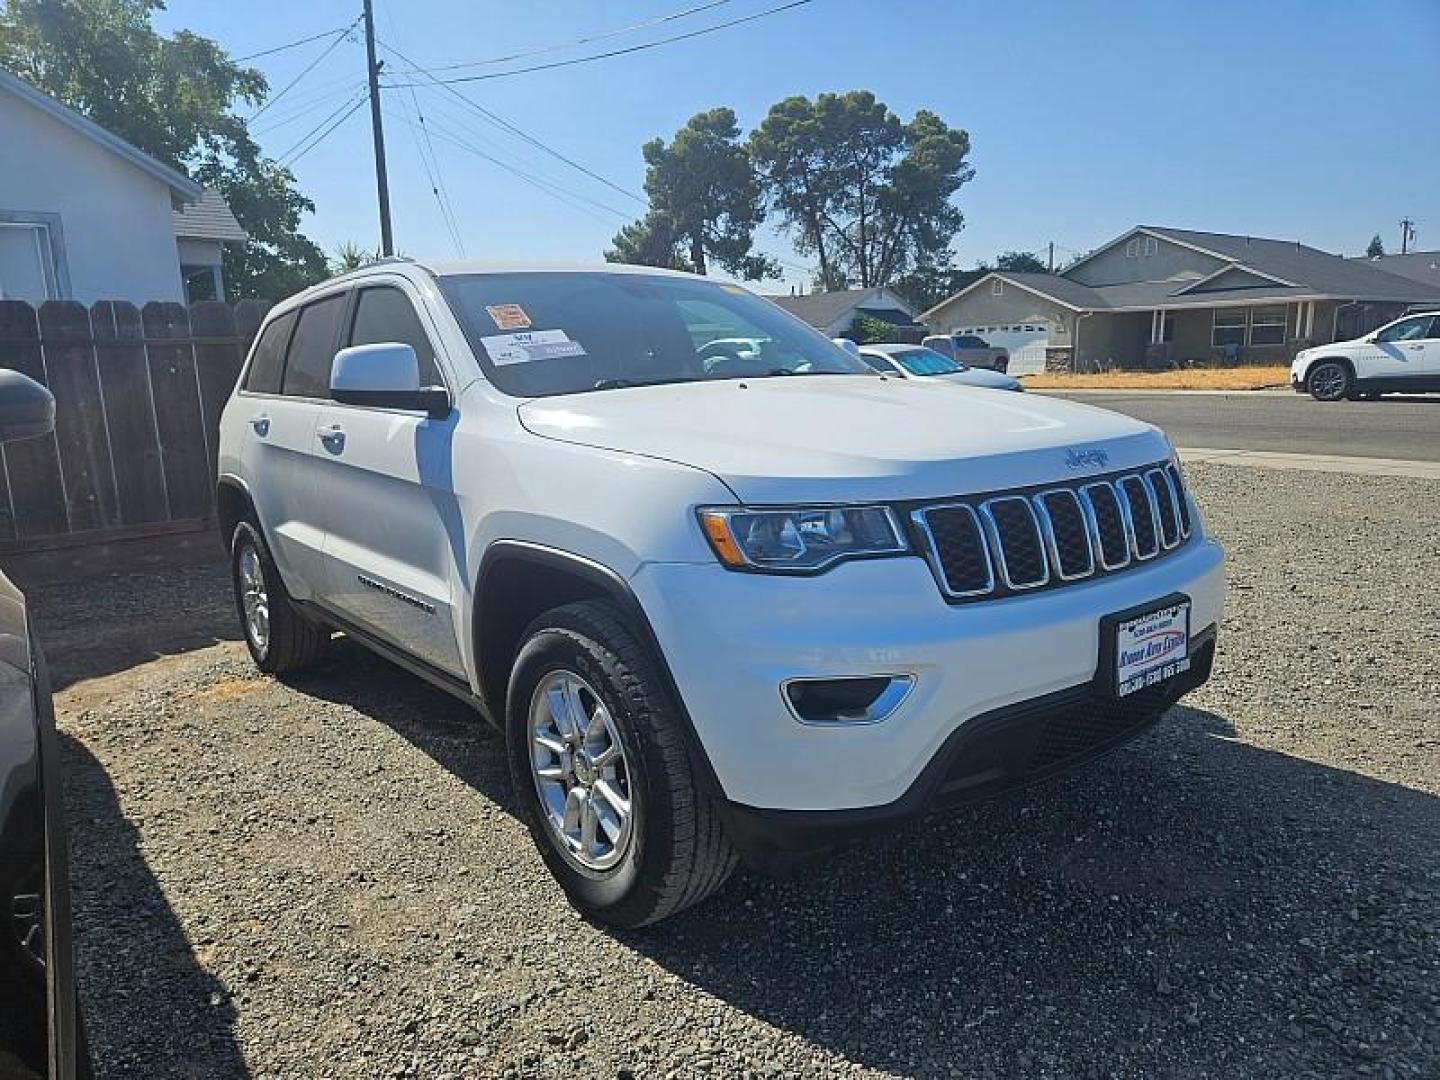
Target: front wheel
(1329, 380)
(599, 763)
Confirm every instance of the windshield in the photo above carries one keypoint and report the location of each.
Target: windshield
(541, 334)
(922, 361)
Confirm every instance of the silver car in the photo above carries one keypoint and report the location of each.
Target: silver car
(918, 362)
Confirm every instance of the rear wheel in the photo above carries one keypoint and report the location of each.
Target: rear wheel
(278, 636)
(599, 763)
(1329, 380)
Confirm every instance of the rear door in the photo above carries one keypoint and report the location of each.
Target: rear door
(282, 400)
(388, 500)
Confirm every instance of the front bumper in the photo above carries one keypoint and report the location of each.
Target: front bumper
(731, 640)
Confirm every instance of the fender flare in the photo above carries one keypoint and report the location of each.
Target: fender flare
(613, 587)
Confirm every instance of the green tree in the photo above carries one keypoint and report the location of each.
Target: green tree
(869, 196)
(704, 201)
(651, 241)
(867, 330)
(1376, 248)
(173, 97)
(350, 256)
(1020, 262)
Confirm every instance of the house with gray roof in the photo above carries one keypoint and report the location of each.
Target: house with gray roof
(87, 216)
(833, 313)
(1155, 296)
(1418, 265)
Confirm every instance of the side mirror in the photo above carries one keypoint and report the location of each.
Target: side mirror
(385, 376)
(27, 409)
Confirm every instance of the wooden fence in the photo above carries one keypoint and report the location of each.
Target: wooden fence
(138, 394)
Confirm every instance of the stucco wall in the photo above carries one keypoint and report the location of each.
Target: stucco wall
(118, 237)
(979, 307)
(1113, 267)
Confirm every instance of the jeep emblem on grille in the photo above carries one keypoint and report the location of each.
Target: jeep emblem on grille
(1078, 459)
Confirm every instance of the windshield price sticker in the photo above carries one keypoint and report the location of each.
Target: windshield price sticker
(509, 316)
(1152, 648)
(530, 346)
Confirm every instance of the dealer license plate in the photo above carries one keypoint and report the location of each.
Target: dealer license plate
(1151, 648)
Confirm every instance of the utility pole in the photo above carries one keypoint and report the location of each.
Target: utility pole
(382, 180)
(1050, 262)
(1407, 234)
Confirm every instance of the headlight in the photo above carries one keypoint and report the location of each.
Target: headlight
(800, 539)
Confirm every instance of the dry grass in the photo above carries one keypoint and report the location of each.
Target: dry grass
(1236, 378)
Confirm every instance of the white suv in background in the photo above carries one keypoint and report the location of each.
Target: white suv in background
(1402, 356)
(733, 600)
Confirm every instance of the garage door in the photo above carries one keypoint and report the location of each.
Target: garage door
(1026, 341)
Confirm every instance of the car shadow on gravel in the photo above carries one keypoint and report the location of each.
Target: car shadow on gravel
(1191, 904)
(150, 1007)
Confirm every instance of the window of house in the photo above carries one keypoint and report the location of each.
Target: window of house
(1149, 246)
(312, 349)
(1132, 249)
(27, 263)
(1228, 329)
(267, 362)
(997, 287)
(1267, 326)
(385, 315)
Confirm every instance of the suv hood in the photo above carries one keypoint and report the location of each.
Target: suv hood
(848, 438)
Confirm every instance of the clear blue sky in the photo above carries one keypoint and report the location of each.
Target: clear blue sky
(1306, 119)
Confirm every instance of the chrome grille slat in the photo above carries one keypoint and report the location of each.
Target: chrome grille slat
(1007, 543)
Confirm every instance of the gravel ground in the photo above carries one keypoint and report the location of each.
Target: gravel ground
(324, 877)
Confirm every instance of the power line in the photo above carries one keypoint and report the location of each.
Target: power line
(339, 37)
(291, 45)
(577, 42)
(547, 186)
(339, 116)
(286, 118)
(441, 201)
(495, 118)
(622, 52)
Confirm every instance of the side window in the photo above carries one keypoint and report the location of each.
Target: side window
(312, 349)
(1434, 327)
(1408, 330)
(267, 362)
(878, 363)
(386, 315)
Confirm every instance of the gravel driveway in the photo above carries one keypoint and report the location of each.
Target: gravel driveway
(323, 876)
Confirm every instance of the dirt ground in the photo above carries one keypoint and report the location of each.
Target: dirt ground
(324, 877)
(1236, 378)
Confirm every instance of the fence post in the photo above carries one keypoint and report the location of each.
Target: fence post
(80, 428)
(129, 412)
(170, 357)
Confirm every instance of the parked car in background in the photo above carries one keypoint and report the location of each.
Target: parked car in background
(969, 349)
(743, 600)
(40, 1034)
(918, 362)
(1401, 356)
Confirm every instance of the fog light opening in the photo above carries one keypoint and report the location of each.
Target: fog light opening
(865, 699)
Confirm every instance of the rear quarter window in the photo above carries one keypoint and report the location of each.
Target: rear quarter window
(267, 361)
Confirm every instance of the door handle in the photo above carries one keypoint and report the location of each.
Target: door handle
(261, 423)
(333, 439)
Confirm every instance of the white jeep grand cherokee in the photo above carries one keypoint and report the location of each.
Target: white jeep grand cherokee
(722, 602)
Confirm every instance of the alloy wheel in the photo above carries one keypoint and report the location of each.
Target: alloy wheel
(1328, 382)
(254, 598)
(580, 771)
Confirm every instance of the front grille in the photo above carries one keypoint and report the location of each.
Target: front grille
(1010, 542)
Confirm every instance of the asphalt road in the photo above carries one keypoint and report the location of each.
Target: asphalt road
(1406, 428)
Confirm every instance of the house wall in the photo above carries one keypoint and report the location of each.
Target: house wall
(1113, 267)
(116, 239)
(980, 306)
(1108, 340)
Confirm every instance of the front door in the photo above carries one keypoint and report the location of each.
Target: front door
(389, 506)
(1404, 350)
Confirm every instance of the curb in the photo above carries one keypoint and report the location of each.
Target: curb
(1331, 463)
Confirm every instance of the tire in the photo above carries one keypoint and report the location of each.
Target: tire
(1330, 380)
(1002, 366)
(671, 851)
(288, 641)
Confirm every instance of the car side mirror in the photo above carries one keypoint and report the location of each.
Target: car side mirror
(385, 376)
(27, 409)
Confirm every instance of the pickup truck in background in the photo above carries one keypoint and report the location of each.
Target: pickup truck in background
(969, 349)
